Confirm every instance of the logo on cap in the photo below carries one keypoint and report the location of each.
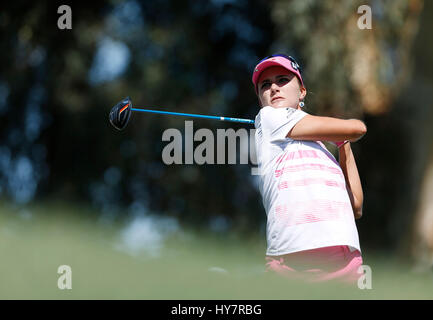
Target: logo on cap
(295, 65)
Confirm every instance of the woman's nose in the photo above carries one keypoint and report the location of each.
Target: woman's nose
(274, 87)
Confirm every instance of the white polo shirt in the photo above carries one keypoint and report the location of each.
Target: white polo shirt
(302, 186)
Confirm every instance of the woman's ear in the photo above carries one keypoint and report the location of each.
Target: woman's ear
(303, 93)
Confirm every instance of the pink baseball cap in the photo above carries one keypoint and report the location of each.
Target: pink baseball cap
(277, 60)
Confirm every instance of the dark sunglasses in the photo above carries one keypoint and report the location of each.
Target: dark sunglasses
(295, 65)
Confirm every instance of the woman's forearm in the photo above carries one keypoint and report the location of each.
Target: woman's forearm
(353, 181)
(317, 128)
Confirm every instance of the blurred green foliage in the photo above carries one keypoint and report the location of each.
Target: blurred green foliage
(190, 264)
(364, 68)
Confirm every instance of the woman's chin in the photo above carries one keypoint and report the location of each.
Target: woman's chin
(281, 104)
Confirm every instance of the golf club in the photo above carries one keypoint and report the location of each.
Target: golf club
(120, 114)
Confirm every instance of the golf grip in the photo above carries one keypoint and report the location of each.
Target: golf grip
(196, 115)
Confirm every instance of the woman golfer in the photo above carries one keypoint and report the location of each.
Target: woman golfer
(311, 200)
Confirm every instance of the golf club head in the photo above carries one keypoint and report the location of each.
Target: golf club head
(121, 113)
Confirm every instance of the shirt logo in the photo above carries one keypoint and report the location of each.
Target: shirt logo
(290, 111)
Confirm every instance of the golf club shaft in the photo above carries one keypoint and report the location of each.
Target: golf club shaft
(196, 115)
